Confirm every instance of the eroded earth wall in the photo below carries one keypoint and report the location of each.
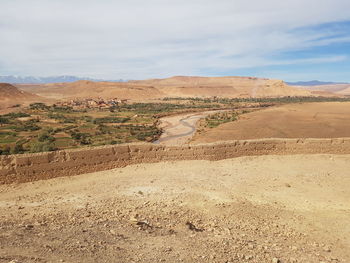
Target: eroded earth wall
(31, 167)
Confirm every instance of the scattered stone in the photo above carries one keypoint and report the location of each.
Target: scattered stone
(133, 219)
(192, 227)
(276, 260)
(287, 185)
(251, 246)
(28, 227)
(248, 257)
(143, 224)
(326, 249)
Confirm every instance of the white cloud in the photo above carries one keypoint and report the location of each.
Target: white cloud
(155, 38)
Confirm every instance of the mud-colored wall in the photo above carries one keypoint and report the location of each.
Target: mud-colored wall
(31, 167)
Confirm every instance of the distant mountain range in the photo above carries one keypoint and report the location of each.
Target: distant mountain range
(44, 80)
(313, 83)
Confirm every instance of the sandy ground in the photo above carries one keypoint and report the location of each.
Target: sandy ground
(308, 120)
(179, 129)
(252, 209)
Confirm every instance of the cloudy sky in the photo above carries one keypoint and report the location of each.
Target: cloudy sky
(136, 39)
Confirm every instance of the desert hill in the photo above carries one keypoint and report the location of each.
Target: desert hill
(337, 89)
(223, 87)
(85, 88)
(10, 95)
(179, 86)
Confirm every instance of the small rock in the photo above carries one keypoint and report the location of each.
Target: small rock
(133, 219)
(327, 249)
(193, 227)
(248, 257)
(287, 185)
(28, 227)
(276, 260)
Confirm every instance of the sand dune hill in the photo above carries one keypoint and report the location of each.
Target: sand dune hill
(169, 87)
(10, 95)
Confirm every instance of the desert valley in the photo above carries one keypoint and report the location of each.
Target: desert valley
(188, 131)
(183, 169)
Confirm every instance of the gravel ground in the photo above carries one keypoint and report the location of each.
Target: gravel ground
(292, 208)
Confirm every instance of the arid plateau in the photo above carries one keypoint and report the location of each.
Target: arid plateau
(183, 169)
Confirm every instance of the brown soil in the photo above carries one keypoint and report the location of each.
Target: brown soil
(309, 120)
(248, 209)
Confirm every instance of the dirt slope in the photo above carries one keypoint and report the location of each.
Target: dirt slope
(308, 120)
(10, 95)
(252, 209)
(170, 87)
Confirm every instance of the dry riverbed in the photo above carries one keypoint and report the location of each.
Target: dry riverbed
(179, 129)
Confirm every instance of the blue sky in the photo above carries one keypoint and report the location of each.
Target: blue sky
(291, 40)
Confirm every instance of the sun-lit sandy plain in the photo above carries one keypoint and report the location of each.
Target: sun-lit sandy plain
(304, 120)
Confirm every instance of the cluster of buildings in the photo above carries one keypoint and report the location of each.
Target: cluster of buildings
(98, 103)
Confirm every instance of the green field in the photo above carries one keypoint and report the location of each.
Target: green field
(40, 127)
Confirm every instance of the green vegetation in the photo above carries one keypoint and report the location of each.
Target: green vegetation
(14, 115)
(38, 106)
(42, 147)
(41, 127)
(157, 108)
(47, 128)
(110, 119)
(216, 119)
(30, 125)
(4, 120)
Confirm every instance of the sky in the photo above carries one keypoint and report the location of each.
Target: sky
(293, 40)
